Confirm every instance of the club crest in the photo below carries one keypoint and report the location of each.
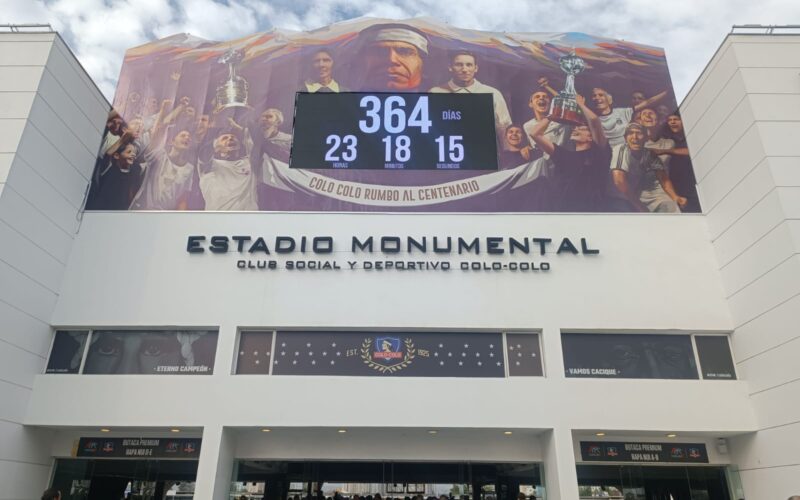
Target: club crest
(388, 354)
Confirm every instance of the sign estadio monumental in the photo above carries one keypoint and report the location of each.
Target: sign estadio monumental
(398, 116)
(409, 253)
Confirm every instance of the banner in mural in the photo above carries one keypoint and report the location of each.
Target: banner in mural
(576, 123)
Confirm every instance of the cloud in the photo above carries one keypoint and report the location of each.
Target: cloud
(99, 31)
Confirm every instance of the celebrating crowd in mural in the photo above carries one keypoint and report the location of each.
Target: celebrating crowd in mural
(583, 124)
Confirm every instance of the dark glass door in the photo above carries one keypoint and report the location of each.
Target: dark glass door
(667, 489)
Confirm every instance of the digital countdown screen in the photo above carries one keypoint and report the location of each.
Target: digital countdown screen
(384, 131)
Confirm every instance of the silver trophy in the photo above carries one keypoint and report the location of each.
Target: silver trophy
(232, 93)
(564, 107)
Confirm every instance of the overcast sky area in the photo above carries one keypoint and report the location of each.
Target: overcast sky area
(99, 31)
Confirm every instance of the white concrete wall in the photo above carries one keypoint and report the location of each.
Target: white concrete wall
(51, 118)
(743, 123)
(654, 273)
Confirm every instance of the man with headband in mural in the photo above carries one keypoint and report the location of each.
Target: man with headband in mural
(463, 68)
(394, 56)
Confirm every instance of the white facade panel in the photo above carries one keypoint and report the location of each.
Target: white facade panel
(728, 133)
(739, 200)
(790, 200)
(10, 133)
(778, 406)
(726, 104)
(726, 173)
(15, 104)
(25, 444)
(482, 445)
(785, 171)
(767, 330)
(17, 364)
(27, 295)
(22, 330)
(73, 107)
(42, 156)
(15, 402)
(777, 53)
(39, 192)
(21, 477)
(709, 406)
(5, 165)
(774, 248)
(759, 220)
(65, 68)
(755, 236)
(25, 53)
(19, 78)
(780, 482)
(455, 299)
(770, 80)
(769, 448)
(38, 209)
(33, 225)
(771, 368)
(780, 138)
(28, 258)
(701, 98)
(49, 125)
(774, 107)
(772, 289)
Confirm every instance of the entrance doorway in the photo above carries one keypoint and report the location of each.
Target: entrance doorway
(672, 482)
(107, 479)
(346, 480)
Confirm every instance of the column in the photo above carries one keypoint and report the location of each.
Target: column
(560, 475)
(215, 467)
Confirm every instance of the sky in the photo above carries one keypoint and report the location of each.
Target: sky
(99, 31)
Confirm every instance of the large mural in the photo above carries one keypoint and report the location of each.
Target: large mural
(581, 123)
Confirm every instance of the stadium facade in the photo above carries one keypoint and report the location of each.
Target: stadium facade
(625, 355)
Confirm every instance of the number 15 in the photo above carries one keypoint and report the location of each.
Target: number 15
(456, 149)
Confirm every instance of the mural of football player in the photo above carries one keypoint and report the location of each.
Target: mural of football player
(463, 68)
(321, 71)
(640, 177)
(227, 180)
(615, 120)
(394, 55)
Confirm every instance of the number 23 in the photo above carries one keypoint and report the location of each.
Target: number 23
(350, 142)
